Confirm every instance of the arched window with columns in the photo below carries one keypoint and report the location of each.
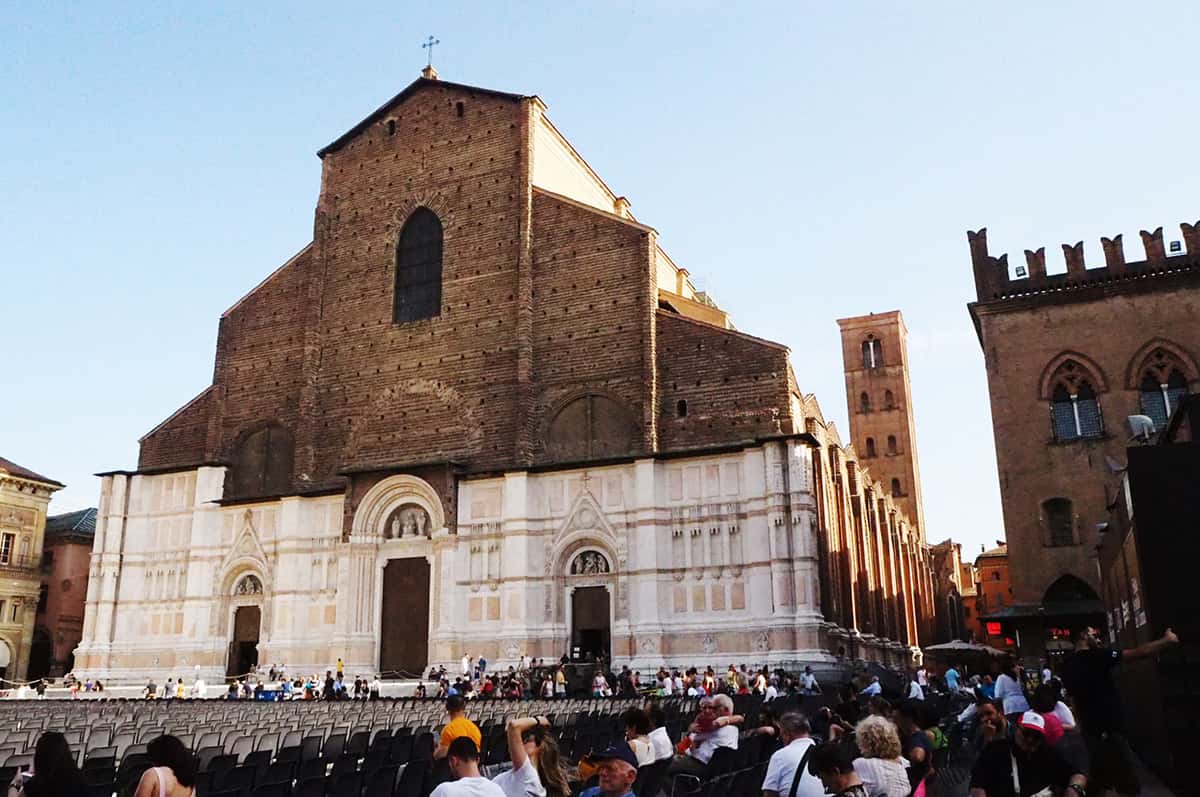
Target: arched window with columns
(1162, 386)
(1074, 404)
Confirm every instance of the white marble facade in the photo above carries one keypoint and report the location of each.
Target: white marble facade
(706, 560)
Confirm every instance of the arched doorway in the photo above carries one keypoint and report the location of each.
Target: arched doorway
(1069, 588)
(591, 607)
(247, 625)
(404, 618)
(41, 654)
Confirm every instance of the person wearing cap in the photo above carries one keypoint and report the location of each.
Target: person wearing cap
(1087, 675)
(1025, 766)
(617, 770)
(463, 757)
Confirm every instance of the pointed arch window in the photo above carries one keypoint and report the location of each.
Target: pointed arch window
(1162, 387)
(1074, 405)
(870, 446)
(889, 400)
(891, 444)
(864, 402)
(418, 289)
(872, 352)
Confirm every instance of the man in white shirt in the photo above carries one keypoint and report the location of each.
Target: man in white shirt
(781, 771)
(915, 692)
(677, 682)
(716, 726)
(771, 692)
(808, 682)
(923, 677)
(873, 688)
(466, 666)
(463, 757)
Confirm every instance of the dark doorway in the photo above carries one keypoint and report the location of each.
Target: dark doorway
(591, 634)
(243, 650)
(40, 655)
(404, 623)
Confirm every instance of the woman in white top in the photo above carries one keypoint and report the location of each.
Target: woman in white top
(881, 768)
(536, 771)
(1010, 692)
(637, 734)
(173, 773)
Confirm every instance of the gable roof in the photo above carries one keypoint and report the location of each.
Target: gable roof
(82, 523)
(409, 90)
(13, 469)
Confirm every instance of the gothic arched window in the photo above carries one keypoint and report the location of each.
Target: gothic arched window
(419, 268)
(864, 402)
(889, 401)
(870, 446)
(1075, 408)
(263, 463)
(892, 444)
(591, 426)
(872, 352)
(1162, 387)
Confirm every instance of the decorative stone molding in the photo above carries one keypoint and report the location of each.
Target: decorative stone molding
(396, 492)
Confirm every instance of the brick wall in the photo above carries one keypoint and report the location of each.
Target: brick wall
(180, 439)
(1020, 339)
(735, 385)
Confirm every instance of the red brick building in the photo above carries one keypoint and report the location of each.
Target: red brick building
(1069, 356)
(66, 557)
(484, 412)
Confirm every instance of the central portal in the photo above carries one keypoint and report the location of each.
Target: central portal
(591, 629)
(243, 650)
(404, 621)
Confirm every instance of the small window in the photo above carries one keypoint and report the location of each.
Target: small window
(995, 575)
(892, 444)
(7, 541)
(458, 109)
(872, 351)
(1059, 518)
(896, 487)
(864, 402)
(870, 446)
(680, 407)
(16, 610)
(889, 401)
(391, 127)
(47, 559)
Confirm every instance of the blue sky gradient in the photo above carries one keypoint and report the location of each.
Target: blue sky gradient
(804, 161)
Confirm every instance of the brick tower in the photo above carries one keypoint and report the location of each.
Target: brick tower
(879, 400)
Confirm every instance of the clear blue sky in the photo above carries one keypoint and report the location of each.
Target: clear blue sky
(804, 161)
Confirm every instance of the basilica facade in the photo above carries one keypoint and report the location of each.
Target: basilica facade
(483, 412)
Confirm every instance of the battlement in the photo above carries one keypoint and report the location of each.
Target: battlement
(994, 283)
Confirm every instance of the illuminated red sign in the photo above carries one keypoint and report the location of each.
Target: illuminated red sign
(993, 629)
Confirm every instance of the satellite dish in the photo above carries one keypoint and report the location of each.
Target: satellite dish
(1141, 427)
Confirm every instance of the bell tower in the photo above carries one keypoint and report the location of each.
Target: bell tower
(879, 400)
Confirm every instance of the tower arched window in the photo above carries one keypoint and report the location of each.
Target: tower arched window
(1162, 387)
(864, 402)
(1074, 406)
(891, 443)
(872, 352)
(418, 289)
(896, 490)
(889, 401)
(870, 446)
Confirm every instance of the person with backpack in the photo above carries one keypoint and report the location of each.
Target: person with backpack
(787, 771)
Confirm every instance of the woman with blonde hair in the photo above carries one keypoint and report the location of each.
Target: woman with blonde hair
(880, 767)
